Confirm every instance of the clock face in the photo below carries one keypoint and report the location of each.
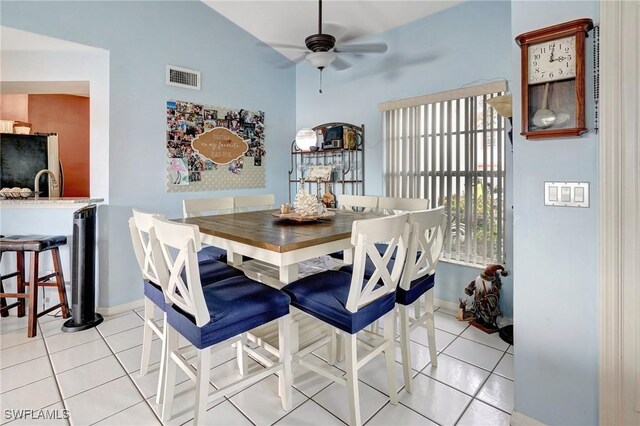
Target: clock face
(552, 60)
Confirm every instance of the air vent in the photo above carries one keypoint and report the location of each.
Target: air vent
(183, 77)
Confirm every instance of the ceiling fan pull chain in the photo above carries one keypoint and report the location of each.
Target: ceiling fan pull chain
(320, 91)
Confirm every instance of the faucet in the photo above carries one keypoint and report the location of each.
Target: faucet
(36, 183)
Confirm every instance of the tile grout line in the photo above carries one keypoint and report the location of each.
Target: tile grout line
(55, 376)
(127, 374)
(474, 397)
(63, 400)
(429, 377)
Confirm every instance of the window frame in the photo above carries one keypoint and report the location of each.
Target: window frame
(465, 153)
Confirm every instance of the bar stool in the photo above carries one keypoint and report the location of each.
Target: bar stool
(34, 244)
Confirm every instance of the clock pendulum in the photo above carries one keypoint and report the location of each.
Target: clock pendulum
(544, 117)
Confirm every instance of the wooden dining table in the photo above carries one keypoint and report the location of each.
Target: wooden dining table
(282, 243)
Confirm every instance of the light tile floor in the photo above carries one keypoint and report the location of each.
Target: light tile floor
(94, 374)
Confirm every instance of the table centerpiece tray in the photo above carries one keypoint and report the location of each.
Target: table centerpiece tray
(297, 217)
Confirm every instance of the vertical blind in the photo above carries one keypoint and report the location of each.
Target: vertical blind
(449, 148)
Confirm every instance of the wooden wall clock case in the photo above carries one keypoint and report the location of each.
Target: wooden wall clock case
(553, 80)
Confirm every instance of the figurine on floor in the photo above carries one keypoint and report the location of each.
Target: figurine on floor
(486, 294)
(463, 314)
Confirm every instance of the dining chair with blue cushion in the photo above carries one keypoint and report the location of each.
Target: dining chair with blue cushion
(393, 205)
(359, 203)
(195, 207)
(213, 316)
(246, 203)
(141, 228)
(355, 203)
(425, 246)
(349, 302)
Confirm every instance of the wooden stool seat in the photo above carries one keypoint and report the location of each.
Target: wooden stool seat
(31, 242)
(34, 244)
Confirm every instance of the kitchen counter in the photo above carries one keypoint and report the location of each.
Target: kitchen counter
(48, 202)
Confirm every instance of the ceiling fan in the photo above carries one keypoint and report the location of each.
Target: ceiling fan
(322, 50)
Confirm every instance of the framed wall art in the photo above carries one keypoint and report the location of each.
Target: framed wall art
(214, 148)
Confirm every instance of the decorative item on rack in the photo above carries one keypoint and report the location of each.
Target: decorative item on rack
(306, 139)
(349, 139)
(339, 162)
(328, 198)
(319, 173)
(333, 138)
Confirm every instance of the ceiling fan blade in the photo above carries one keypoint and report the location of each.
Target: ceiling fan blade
(362, 48)
(282, 46)
(336, 30)
(340, 64)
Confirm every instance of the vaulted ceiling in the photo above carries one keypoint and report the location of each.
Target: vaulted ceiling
(290, 22)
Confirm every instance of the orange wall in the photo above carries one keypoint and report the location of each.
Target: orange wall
(68, 116)
(14, 107)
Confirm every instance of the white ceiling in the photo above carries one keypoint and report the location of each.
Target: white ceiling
(291, 21)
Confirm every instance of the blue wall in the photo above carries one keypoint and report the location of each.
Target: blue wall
(462, 46)
(142, 38)
(555, 253)
(554, 290)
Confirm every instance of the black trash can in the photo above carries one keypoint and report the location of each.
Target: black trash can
(83, 271)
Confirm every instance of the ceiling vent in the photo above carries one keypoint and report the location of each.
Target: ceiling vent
(183, 77)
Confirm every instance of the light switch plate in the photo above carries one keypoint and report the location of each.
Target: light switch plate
(566, 194)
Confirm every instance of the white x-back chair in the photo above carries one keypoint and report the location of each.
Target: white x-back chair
(142, 237)
(207, 206)
(195, 207)
(212, 316)
(245, 203)
(140, 226)
(362, 203)
(349, 303)
(391, 205)
(418, 279)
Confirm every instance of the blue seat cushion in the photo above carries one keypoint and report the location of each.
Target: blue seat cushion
(369, 268)
(153, 292)
(324, 296)
(210, 271)
(213, 270)
(212, 253)
(380, 246)
(417, 288)
(235, 305)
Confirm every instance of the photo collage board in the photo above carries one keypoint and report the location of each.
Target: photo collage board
(189, 169)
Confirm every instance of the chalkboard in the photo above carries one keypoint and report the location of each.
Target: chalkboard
(21, 157)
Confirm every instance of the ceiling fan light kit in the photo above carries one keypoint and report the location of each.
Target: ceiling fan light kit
(323, 51)
(321, 60)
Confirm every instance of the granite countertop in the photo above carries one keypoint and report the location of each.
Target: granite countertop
(48, 201)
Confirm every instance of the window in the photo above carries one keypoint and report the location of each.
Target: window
(450, 149)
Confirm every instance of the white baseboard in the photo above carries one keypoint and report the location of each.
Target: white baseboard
(519, 419)
(118, 309)
(449, 306)
(452, 308)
